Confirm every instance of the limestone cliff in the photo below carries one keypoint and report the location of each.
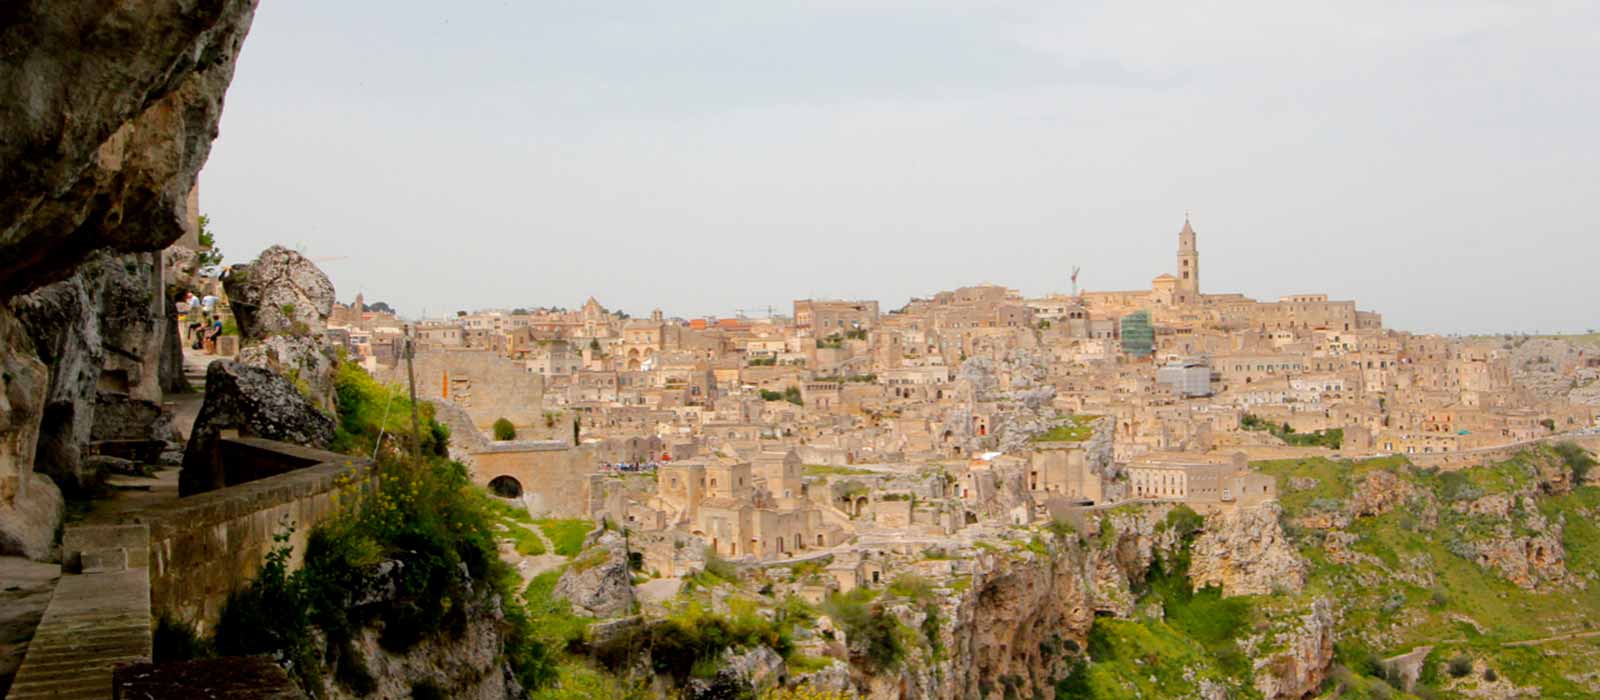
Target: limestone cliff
(1245, 552)
(1295, 664)
(109, 110)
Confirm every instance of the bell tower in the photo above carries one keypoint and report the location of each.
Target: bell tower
(1188, 264)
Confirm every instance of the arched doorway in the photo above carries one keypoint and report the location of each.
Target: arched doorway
(505, 487)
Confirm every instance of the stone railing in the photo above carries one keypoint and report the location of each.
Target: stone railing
(204, 547)
(1462, 459)
(178, 560)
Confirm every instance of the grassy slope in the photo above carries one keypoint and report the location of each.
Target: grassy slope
(1388, 616)
(1382, 615)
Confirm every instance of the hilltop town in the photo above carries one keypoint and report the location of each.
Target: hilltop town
(1099, 397)
(217, 480)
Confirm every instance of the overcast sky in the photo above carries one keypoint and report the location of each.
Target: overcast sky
(1439, 162)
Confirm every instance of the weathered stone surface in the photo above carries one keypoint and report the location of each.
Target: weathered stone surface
(467, 665)
(1246, 553)
(1530, 561)
(62, 320)
(120, 417)
(1297, 670)
(1379, 492)
(102, 332)
(109, 112)
(28, 522)
(280, 292)
(305, 360)
(255, 402)
(599, 583)
(24, 383)
(240, 678)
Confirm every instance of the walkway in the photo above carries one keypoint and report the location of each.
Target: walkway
(97, 620)
(25, 587)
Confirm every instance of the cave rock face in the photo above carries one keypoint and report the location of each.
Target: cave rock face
(280, 292)
(255, 402)
(107, 112)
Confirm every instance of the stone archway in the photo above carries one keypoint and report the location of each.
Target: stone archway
(505, 487)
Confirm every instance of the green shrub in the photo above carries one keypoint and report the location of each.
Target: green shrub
(566, 534)
(719, 567)
(874, 634)
(271, 616)
(368, 410)
(1578, 459)
(911, 587)
(1184, 521)
(1460, 665)
(174, 641)
(504, 430)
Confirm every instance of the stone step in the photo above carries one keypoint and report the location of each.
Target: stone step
(95, 622)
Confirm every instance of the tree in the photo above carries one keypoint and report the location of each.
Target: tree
(380, 307)
(210, 256)
(504, 430)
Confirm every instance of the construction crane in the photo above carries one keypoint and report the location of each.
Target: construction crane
(742, 313)
(1075, 270)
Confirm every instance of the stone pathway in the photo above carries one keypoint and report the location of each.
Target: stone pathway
(25, 589)
(96, 620)
(1547, 640)
(530, 566)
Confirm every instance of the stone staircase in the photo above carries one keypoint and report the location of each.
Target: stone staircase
(98, 618)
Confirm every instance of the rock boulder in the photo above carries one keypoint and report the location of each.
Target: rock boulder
(599, 583)
(1245, 552)
(280, 292)
(257, 403)
(109, 110)
(307, 361)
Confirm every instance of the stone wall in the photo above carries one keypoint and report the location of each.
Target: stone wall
(486, 385)
(555, 478)
(1463, 459)
(204, 547)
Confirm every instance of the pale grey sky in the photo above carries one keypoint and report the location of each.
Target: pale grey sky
(1435, 161)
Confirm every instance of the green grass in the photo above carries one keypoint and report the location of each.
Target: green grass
(830, 470)
(528, 544)
(805, 663)
(1377, 604)
(566, 534)
(554, 623)
(1075, 429)
(1138, 659)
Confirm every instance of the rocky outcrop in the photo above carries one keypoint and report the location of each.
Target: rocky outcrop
(256, 403)
(599, 583)
(1017, 399)
(24, 496)
(281, 301)
(102, 332)
(1379, 492)
(1532, 562)
(1245, 552)
(1301, 659)
(464, 662)
(28, 520)
(66, 333)
(109, 110)
(307, 361)
(280, 292)
(1025, 618)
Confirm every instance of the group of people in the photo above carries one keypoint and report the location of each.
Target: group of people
(204, 321)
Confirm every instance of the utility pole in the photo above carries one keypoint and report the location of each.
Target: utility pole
(411, 378)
